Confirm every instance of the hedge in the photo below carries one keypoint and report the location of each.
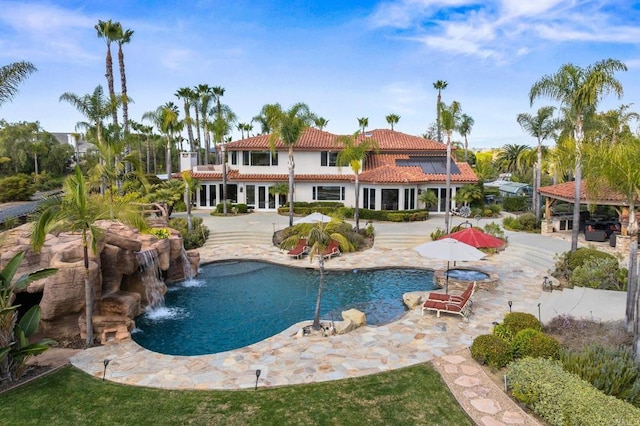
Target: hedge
(562, 398)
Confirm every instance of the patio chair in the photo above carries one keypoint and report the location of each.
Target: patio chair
(300, 249)
(450, 303)
(333, 249)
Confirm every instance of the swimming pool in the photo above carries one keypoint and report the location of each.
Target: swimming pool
(235, 304)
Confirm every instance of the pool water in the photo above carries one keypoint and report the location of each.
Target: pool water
(235, 304)
(467, 275)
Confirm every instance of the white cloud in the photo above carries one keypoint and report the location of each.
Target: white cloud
(406, 98)
(178, 58)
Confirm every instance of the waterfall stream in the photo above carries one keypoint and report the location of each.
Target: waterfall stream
(187, 269)
(152, 278)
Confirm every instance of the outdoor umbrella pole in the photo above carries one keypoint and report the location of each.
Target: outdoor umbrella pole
(446, 287)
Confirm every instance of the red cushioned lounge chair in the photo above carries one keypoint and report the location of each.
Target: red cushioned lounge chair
(453, 304)
(333, 249)
(300, 249)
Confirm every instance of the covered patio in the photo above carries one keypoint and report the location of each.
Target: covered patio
(594, 228)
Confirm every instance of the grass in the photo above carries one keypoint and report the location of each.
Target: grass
(415, 395)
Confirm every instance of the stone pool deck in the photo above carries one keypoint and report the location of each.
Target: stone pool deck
(286, 360)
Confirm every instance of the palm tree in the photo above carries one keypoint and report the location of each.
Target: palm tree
(75, 211)
(450, 117)
(269, 116)
(616, 122)
(541, 126)
(439, 85)
(392, 119)
(10, 76)
(509, 157)
(244, 127)
(108, 31)
(195, 101)
(205, 95)
(165, 118)
(123, 37)
(464, 128)
(187, 95)
(222, 126)
(320, 123)
(353, 154)
(288, 127)
(363, 122)
(579, 90)
(429, 198)
(191, 185)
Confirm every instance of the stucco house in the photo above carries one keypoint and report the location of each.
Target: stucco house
(391, 178)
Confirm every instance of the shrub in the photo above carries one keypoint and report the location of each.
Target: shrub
(494, 229)
(194, 239)
(599, 272)
(521, 344)
(514, 204)
(562, 398)
(516, 321)
(610, 369)
(161, 233)
(439, 232)
(544, 346)
(16, 188)
(503, 332)
(491, 350)
(569, 261)
(524, 222)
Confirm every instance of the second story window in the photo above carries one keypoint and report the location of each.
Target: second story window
(259, 158)
(329, 158)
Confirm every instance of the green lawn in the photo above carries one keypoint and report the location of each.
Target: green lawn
(410, 396)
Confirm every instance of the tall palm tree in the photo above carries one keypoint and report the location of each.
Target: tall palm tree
(205, 97)
(439, 85)
(108, 31)
(221, 127)
(288, 128)
(320, 122)
(166, 120)
(464, 128)
(363, 123)
(508, 157)
(187, 95)
(268, 118)
(541, 126)
(75, 211)
(450, 117)
(353, 154)
(616, 121)
(392, 119)
(10, 76)
(243, 127)
(123, 37)
(195, 101)
(579, 90)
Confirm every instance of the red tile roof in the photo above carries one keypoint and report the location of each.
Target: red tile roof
(313, 140)
(381, 168)
(234, 175)
(565, 192)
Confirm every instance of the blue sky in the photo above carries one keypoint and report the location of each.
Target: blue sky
(345, 59)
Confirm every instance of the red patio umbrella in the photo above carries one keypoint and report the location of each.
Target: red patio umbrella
(476, 238)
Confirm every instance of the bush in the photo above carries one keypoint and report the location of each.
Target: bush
(514, 204)
(521, 344)
(516, 321)
(601, 273)
(494, 229)
(194, 239)
(610, 369)
(491, 350)
(439, 232)
(524, 222)
(234, 208)
(16, 188)
(569, 261)
(503, 332)
(562, 398)
(542, 345)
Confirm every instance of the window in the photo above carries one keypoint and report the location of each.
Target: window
(389, 199)
(259, 158)
(409, 198)
(369, 195)
(234, 157)
(328, 193)
(329, 158)
(251, 196)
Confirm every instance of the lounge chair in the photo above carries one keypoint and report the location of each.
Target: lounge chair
(300, 249)
(454, 304)
(333, 249)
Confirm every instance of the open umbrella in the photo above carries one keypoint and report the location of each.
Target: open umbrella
(450, 250)
(313, 218)
(476, 238)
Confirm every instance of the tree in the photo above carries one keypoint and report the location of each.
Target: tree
(123, 37)
(392, 119)
(320, 123)
(439, 85)
(354, 151)
(269, 116)
(579, 90)
(244, 127)
(15, 349)
(429, 198)
(187, 95)
(222, 126)
(191, 185)
(541, 126)
(363, 122)
(464, 128)
(108, 31)
(205, 95)
(75, 211)
(288, 127)
(165, 118)
(616, 122)
(450, 117)
(280, 188)
(508, 157)
(11, 76)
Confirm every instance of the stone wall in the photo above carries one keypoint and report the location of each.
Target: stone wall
(114, 271)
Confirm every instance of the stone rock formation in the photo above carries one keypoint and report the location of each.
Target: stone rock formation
(118, 270)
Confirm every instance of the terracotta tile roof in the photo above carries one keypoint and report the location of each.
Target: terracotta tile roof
(382, 168)
(565, 192)
(313, 140)
(234, 175)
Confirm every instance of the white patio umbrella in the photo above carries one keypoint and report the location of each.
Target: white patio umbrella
(313, 218)
(450, 250)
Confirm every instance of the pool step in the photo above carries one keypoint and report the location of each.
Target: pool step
(222, 237)
(399, 241)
